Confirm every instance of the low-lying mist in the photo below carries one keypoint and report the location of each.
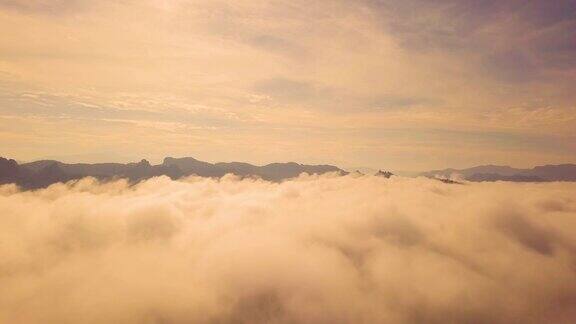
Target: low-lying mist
(329, 249)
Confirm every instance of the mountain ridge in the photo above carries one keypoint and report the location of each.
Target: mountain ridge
(42, 173)
(542, 173)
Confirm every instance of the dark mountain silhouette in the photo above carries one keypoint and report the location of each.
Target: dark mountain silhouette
(270, 172)
(484, 169)
(385, 174)
(480, 177)
(188, 166)
(561, 172)
(10, 172)
(132, 171)
(448, 181)
(43, 173)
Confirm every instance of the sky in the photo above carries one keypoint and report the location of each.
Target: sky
(401, 85)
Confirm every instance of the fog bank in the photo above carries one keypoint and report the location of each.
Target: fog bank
(317, 249)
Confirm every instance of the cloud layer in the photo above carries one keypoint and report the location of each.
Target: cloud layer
(312, 250)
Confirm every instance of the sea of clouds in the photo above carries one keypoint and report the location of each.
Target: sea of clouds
(317, 249)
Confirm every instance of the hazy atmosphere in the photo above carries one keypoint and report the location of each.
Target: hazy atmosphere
(287, 162)
(406, 85)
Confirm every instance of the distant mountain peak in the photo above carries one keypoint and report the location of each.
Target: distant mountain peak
(560, 172)
(385, 174)
(39, 174)
(169, 159)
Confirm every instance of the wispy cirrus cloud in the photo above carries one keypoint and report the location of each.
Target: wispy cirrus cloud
(330, 66)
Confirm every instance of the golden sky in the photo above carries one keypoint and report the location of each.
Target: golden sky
(404, 85)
